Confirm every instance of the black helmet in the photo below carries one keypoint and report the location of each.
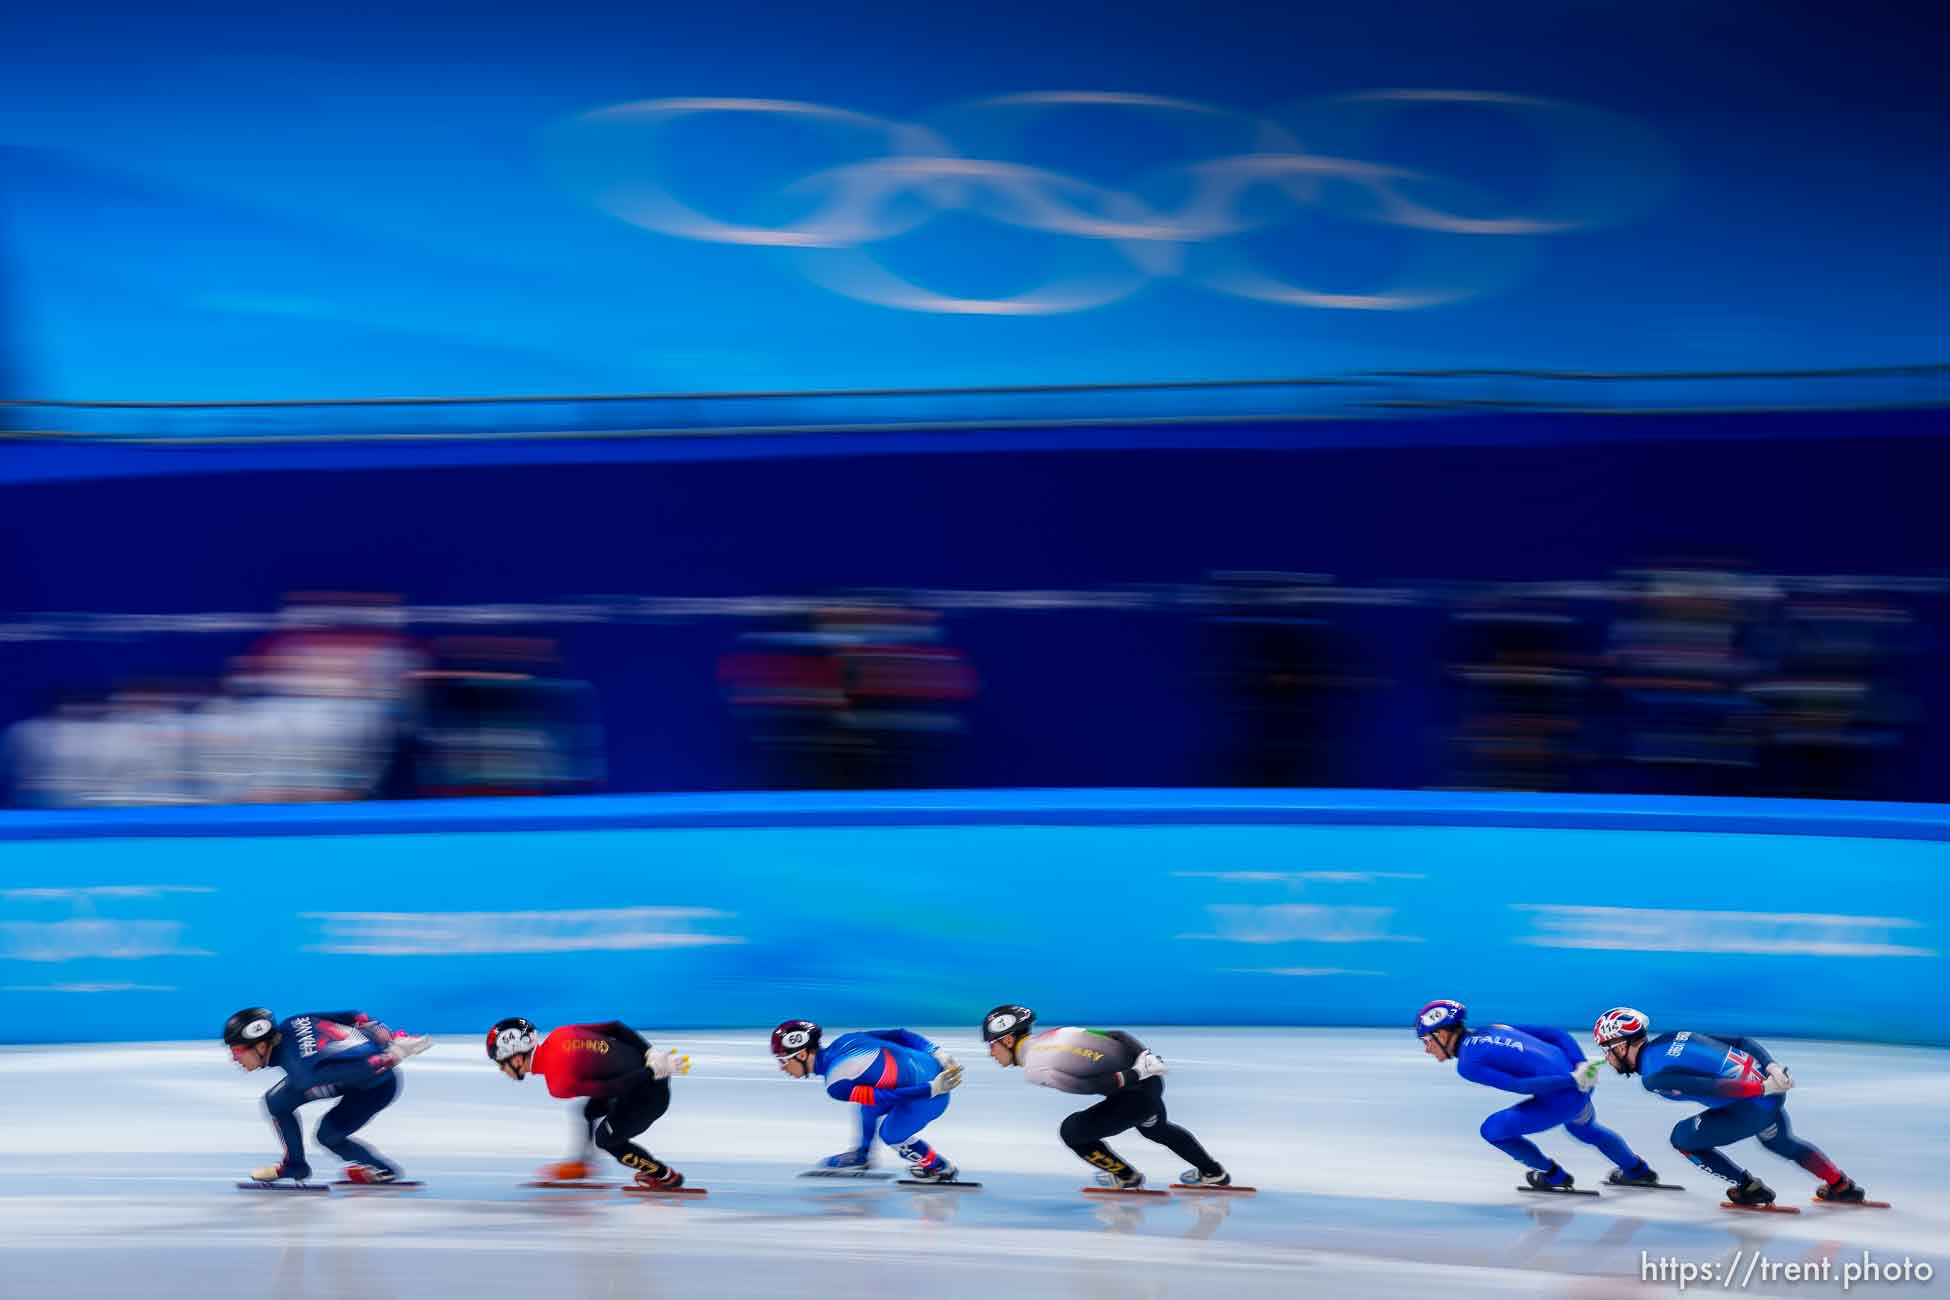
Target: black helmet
(794, 1036)
(248, 1027)
(1009, 1018)
(510, 1037)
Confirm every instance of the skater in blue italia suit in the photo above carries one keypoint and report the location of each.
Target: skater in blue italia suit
(899, 1080)
(1546, 1066)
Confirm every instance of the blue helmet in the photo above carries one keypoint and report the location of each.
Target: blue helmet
(1442, 1013)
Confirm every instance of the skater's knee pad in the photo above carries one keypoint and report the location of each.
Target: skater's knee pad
(1072, 1132)
(1686, 1136)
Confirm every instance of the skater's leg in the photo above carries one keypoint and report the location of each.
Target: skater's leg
(1584, 1126)
(281, 1104)
(593, 1111)
(1179, 1140)
(1505, 1129)
(1699, 1138)
(1085, 1131)
(628, 1116)
(335, 1130)
(901, 1128)
(1779, 1138)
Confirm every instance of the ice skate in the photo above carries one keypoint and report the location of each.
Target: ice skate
(1847, 1192)
(942, 1170)
(1193, 1178)
(857, 1163)
(667, 1181)
(1194, 1181)
(1752, 1192)
(368, 1176)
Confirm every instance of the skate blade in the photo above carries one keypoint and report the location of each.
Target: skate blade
(576, 1185)
(397, 1186)
(1762, 1209)
(255, 1186)
(667, 1191)
(1232, 1188)
(1645, 1187)
(1558, 1191)
(847, 1173)
(952, 1184)
(1124, 1191)
(1852, 1205)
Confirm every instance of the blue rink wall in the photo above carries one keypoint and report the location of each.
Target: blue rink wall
(1211, 907)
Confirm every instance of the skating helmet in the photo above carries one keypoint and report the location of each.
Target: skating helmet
(1443, 1013)
(510, 1038)
(1009, 1018)
(794, 1036)
(250, 1026)
(1621, 1025)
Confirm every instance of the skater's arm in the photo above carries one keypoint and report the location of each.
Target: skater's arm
(358, 1020)
(1557, 1038)
(864, 1095)
(354, 1018)
(1536, 1085)
(1702, 1087)
(281, 1104)
(618, 1030)
(906, 1038)
(1762, 1058)
(621, 1084)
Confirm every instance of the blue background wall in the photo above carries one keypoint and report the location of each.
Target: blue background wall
(226, 201)
(1217, 907)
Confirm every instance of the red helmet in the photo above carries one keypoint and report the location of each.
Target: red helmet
(1620, 1025)
(793, 1036)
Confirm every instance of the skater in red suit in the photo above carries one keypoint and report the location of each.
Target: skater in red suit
(627, 1085)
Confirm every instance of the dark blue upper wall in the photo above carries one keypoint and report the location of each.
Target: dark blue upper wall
(1122, 685)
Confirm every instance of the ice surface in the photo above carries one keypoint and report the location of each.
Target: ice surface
(117, 1165)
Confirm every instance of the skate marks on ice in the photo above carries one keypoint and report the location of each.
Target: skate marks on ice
(473, 1228)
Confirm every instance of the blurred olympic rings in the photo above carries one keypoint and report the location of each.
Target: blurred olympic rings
(920, 173)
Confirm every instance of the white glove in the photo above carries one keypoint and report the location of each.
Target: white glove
(1586, 1075)
(1778, 1080)
(1149, 1064)
(945, 1061)
(947, 1081)
(665, 1063)
(401, 1046)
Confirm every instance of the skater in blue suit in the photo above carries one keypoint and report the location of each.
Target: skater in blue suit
(1745, 1091)
(1547, 1066)
(899, 1080)
(343, 1054)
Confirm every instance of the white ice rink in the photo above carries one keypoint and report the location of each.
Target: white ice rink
(117, 1167)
